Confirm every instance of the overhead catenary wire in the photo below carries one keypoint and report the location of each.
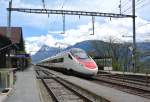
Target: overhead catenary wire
(128, 7)
(62, 6)
(64, 2)
(143, 25)
(125, 1)
(139, 4)
(144, 5)
(43, 1)
(125, 4)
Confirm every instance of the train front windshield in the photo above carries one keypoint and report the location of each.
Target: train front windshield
(78, 53)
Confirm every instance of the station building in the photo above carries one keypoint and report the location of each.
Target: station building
(12, 55)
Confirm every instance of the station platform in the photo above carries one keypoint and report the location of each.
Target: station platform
(111, 94)
(25, 88)
(3, 98)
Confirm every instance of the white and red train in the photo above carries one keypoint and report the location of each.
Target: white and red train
(74, 59)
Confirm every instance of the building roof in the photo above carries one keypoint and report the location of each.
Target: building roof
(15, 34)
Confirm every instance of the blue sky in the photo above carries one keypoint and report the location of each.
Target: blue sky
(54, 22)
(41, 29)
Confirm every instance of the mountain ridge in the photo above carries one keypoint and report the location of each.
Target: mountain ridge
(98, 48)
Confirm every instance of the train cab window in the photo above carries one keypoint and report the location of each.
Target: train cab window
(78, 53)
(69, 56)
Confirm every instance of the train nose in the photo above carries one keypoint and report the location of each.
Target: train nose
(88, 64)
(92, 71)
(90, 67)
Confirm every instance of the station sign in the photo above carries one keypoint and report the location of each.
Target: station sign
(22, 55)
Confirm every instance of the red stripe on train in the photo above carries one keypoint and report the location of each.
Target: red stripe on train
(87, 63)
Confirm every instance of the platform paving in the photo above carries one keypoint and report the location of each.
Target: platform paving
(25, 88)
(2, 97)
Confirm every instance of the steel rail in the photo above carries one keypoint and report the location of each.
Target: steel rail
(75, 89)
(83, 93)
(136, 79)
(134, 88)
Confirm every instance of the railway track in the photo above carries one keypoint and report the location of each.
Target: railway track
(140, 78)
(63, 91)
(125, 83)
(134, 79)
(128, 85)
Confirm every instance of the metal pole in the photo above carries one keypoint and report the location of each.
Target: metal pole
(120, 7)
(9, 20)
(93, 22)
(43, 1)
(9, 14)
(8, 33)
(134, 36)
(63, 23)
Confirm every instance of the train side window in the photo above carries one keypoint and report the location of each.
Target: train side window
(69, 56)
(54, 61)
(60, 60)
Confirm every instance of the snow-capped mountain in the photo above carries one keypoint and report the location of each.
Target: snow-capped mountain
(34, 44)
(45, 52)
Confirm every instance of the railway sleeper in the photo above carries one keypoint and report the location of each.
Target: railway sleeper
(65, 90)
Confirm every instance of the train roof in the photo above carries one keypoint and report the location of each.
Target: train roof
(61, 53)
(76, 49)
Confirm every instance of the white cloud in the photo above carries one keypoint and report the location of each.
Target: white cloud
(115, 28)
(33, 44)
(42, 21)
